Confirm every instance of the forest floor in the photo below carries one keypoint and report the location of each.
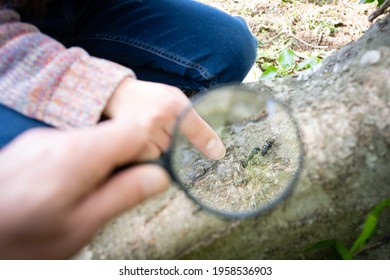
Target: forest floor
(311, 28)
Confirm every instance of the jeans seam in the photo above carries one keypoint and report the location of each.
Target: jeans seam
(152, 49)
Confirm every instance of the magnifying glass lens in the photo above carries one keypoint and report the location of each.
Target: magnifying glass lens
(263, 153)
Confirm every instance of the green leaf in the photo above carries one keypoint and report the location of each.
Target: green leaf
(308, 63)
(380, 2)
(321, 245)
(368, 229)
(339, 250)
(286, 58)
(343, 251)
(269, 73)
(369, 226)
(265, 65)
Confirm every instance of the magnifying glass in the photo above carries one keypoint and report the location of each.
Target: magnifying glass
(263, 160)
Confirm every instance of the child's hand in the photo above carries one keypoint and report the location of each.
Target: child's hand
(156, 107)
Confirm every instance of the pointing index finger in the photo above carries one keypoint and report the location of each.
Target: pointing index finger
(201, 135)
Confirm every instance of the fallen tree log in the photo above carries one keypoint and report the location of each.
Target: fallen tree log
(342, 109)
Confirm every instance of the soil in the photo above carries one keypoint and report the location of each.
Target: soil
(308, 27)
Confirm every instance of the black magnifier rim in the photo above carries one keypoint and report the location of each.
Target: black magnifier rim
(168, 161)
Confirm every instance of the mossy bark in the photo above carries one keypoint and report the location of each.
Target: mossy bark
(343, 113)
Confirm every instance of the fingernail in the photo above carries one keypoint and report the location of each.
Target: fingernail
(216, 149)
(154, 181)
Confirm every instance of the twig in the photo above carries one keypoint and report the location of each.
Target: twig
(379, 11)
(304, 42)
(320, 38)
(271, 39)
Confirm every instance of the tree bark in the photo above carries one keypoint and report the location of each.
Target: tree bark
(342, 109)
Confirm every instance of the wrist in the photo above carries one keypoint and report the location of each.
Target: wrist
(116, 98)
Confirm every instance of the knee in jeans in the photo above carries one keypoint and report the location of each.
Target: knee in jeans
(236, 53)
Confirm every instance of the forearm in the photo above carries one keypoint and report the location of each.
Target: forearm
(42, 79)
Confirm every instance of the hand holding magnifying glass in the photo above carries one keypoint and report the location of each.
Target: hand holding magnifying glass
(155, 107)
(263, 153)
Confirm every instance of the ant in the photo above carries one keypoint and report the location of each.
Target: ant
(264, 150)
(267, 146)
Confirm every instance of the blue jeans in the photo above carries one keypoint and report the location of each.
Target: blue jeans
(182, 43)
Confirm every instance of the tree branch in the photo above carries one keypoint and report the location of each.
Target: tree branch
(379, 11)
(343, 112)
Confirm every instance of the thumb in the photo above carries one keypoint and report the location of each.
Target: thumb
(121, 192)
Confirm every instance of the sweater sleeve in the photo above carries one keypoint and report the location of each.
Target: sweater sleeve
(42, 79)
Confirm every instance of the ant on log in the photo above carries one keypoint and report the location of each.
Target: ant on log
(264, 150)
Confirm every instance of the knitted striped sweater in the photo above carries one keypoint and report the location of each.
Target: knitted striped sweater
(42, 79)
